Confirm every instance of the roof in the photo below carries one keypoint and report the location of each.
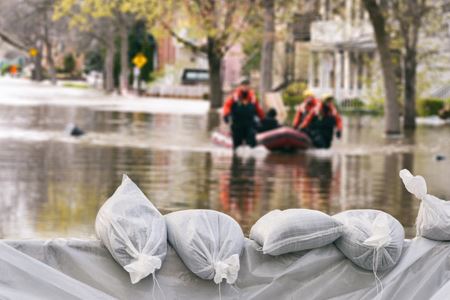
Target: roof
(361, 45)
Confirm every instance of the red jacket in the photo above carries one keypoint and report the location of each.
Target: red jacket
(236, 96)
(319, 111)
(304, 109)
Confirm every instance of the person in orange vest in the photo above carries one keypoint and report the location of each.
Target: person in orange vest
(321, 121)
(243, 111)
(308, 104)
(13, 70)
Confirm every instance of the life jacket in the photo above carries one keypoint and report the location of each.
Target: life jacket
(303, 110)
(329, 111)
(323, 115)
(236, 98)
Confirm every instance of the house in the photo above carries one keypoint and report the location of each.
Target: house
(10, 56)
(174, 58)
(342, 50)
(330, 45)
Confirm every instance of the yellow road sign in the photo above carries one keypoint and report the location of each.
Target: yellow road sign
(139, 60)
(33, 52)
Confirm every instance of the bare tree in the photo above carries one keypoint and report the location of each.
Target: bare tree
(267, 47)
(102, 31)
(378, 19)
(220, 24)
(410, 15)
(29, 24)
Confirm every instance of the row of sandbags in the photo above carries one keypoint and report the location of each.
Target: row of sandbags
(210, 243)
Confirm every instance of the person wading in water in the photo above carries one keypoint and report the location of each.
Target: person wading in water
(243, 111)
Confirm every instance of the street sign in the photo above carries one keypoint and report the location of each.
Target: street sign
(33, 52)
(139, 60)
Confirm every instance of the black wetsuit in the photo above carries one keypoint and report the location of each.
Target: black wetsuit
(326, 130)
(243, 127)
(321, 129)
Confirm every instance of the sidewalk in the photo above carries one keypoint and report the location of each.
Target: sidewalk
(23, 92)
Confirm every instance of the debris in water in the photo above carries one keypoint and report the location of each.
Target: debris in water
(74, 130)
(439, 157)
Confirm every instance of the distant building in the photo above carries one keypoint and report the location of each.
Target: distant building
(342, 49)
(10, 56)
(330, 45)
(173, 58)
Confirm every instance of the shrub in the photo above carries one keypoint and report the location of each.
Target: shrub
(429, 106)
(69, 63)
(293, 94)
(4, 69)
(354, 103)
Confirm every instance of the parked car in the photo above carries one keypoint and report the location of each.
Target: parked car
(195, 77)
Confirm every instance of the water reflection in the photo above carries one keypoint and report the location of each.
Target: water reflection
(239, 190)
(54, 186)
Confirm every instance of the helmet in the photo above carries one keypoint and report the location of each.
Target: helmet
(308, 93)
(327, 96)
(244, 81)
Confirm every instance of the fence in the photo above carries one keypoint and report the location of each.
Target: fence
(179, 91)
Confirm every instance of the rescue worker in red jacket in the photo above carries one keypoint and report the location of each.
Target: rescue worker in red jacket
(321, 121)
(309, 103)
(243, 111)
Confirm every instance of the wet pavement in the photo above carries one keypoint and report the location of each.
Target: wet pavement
(52, 185)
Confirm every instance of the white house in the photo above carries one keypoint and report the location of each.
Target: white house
(343, 59)
(342, 47)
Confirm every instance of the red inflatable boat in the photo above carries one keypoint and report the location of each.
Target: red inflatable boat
(284, 139)
(280, 139)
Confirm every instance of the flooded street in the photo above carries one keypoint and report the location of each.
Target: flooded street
(52, 185)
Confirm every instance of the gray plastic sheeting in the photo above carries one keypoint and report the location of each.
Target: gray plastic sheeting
(84, 269)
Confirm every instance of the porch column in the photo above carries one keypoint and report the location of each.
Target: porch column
(346, 74)
(337, 73)
(310, 69)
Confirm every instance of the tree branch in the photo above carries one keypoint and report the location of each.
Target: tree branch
(187, 43)
(230, 40)
(13, 43)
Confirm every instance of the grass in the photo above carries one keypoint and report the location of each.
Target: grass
(77, 85)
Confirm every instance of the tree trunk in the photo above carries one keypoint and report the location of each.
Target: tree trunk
(289, 60)
(51, 62)
(48, 49)
(37, 74)
(124, 68)
(109, 67)
(410, 72)
(215, 78)
(267, 48)
(391, 109)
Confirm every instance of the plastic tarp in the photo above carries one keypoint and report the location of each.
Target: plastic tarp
(84, 269)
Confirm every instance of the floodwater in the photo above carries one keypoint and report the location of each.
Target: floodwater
(52, 185)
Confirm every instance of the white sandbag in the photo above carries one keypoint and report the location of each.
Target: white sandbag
(133, 230)
(279, 232)
(208, 242)
(372, 239)
(433, 219)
